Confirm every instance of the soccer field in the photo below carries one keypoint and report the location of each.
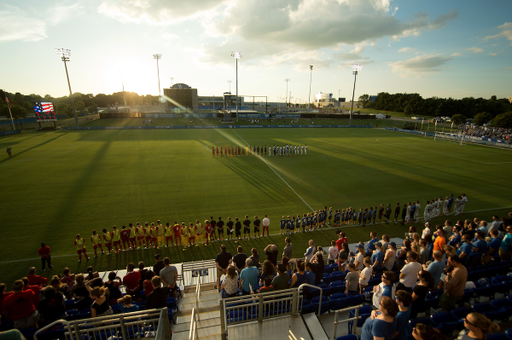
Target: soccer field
(61, 183)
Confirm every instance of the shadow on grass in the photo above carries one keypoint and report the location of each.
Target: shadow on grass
(15, 154)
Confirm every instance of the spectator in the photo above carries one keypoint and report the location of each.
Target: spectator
(333, 252)
(239, 259)
(409, 273)
(249, 278)
(365, 274)
(288, 248)
(440, 240)
(341, 239)
(403, 300)
(142, 271)
(80, 293)
(34, 288)
(506, 245)
(496, 224)
(465, 248)
(112, 285)
(390, 257)
(424, 252)
(44, 253)
(426, 232)
(125, 304)
(381, 326)
(352, 280)
(20, 307)
(158, 265)
(281, 280)
(271, 252)
(267, 285)
(409, 235)
(492, 247)
(268, 269)
(455, 283)
(385, 288)
(56, 283)
(359, 260)
(222, 261)
(478, 249)
(426, 332)
(3, 295)
(100, 305)
(436, 268)
(91, 274)
(377, 258)
(371, 243)
(158, 296)
(299, 277)
(255, 257)
(317, 266)
(308, 255)
(34, 279)
(230, 282)
(477, 326)
(420, 291)
(148, 284)
(402, 256)
(52, 307)
(343, 257)
(456, 239)
(68, 279)
(131, 280)
(447, 229)
(169, 277)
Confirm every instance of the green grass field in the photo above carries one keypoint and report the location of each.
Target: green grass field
(61, 183)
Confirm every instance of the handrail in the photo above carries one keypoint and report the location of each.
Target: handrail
(198, 291)
(192, 333)
(314, 287)
(163, 331)
(355, 318)
(61, 321)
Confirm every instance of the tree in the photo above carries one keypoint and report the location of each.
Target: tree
(503, 120)
(459, 119)
(365, 98)
(93, 109)
(79, 106)
(482, 118)
(64, 109)
(18, 111)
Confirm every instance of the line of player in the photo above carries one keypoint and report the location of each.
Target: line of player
(276, 150)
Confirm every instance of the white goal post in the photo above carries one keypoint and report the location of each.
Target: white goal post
(454, 137)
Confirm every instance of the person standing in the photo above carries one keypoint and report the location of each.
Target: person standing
(409, 273)
(404, 300)
(80, 248)
(157, 267)
(505, 250)
(229, 229)
(158, 296)
(310, 251)
(239, 259)
(247, 227)
(131, 280)
(199, 233)
(397, 213)
(168, 234)
(266, 224)
(116, 239)
(222, 261)
(386, 288)
(44, 253)
(20, 307)
(96, 243)
(169, 277)
(477, 327)
(9, 151)
(256, 224)
(249, 278)
(220, 229)
(382, 323)
(176, 229)
(107, 237)
(271, 252)
(238, 229)
(455, 283)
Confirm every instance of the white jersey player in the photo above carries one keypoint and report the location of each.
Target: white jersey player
(445, 206)
(301, 149)
(417, 211)
(464, 201)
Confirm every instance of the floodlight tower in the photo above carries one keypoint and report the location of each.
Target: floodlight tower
(286, 97)
(236, 55)
(65, 55)
(310, 81)
(355, 68)
(158, 57)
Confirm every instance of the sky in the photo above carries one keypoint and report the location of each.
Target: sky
(455, 48)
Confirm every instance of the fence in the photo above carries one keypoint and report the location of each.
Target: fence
(337, 322)
(143, 324)
(204, 271)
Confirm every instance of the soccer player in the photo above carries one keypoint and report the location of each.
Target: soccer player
(238, 229)
(116, 239)
(310, 220)
(177, 233)
(147, 234)
(408, 215)
(305, 149)
(154, 235)
(283, 226)
(388, 213)
(374, 214)
(213, 151)
(463, 204)
(168, 234)
(184, 235)
(365, 216)
(247, 227)
(208, 230)
(44, 253)
(96, 242)
(446, 202)
(360, 216)
(329, 218)
(266, 224)
(397, 213)
(220, 229)
(214, 229)
(80, 248)
(404, 213)
(9, 151)
(256, 224)
(192, 235)
(297, 224)
(125, 238)
(199, 233)
(160, 234)
(381, 212)
(133, 235)
(107, 237)
(314, 221)
(229, 229)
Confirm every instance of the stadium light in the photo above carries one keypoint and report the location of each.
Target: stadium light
(65, 55)
(355, 68)
(286, 97)
(310, 81)
(158, 57)
(236, 55)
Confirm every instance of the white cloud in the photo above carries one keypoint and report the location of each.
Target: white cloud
(475, 49)
(494, 53)
(155, 12)
(419, 65)
(506, 32)
(58, 14)
(456, 54)
(16, 24)
(406, 49)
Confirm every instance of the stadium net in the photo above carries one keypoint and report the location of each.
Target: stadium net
(452, 137)
(463, 139)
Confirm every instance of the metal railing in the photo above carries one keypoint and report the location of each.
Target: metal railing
(314, 287)
(142, 324)
(192, 333)
(198, 293)
(258, 307)
(198, 267)
(355, 318)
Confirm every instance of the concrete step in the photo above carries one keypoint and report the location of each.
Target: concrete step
(315, 327)
(185, 318)
(204, 306)
(212, 332)
(185, 326)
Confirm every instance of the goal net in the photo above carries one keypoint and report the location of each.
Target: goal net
(451, 137)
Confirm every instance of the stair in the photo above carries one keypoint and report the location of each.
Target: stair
(314, 327)
(208, 314)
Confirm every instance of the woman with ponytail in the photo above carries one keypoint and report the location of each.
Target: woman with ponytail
(426, 332)
(420, 291)
(477, 326)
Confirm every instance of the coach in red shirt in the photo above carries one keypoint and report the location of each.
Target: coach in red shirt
(131, 280)
(20, 307)
(44, 252)
(34, 279)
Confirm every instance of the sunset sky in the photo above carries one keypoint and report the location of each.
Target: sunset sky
(456, 48)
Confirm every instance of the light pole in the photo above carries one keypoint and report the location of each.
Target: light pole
(158, 57)
(355, 68)
(65, 54)
(310, 81)
(236, 55)
(286, 99)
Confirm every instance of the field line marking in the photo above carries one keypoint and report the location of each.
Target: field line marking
(442, 153)
(321, 229)
(34, 157)
(282, 179)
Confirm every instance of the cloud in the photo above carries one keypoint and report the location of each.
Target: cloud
(420, 65)
(274, 28)
(506, 32)
(155, 12)
(475, 49)
(406, 49)
(16, 24)
(58, 14)
(456, 54)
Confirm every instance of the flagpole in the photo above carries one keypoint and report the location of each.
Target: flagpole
(10, 114)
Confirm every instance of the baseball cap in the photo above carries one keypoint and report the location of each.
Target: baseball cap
(378, 244)
(392, 244)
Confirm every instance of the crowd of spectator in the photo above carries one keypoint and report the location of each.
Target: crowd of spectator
(488, 132)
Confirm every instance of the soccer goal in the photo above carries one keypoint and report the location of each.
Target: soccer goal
(451, 137)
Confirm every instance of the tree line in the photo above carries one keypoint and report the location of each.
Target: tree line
(480, 110)
(23, 105)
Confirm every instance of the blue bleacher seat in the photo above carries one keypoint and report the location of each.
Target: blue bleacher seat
(496, 336)
(348, 337)
(235, 316)
(364, 313)
(422, 320)
(461, 312)
(326, 290)
(338, 286)
(339, 301)
(306, 307)
(447, 322)
(326, 304)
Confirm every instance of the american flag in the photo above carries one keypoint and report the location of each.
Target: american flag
(7, 100)
(43, 107)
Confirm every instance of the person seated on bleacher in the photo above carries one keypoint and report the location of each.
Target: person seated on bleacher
(267, 285)
(281, 280)
(125, 304)
(158, 296)
(425, 332)
(20, 307)
(249, 278)
(477, 326)
(112, 285)
(52, 307)
(34, 279)
(230, 282)
(267, 270)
